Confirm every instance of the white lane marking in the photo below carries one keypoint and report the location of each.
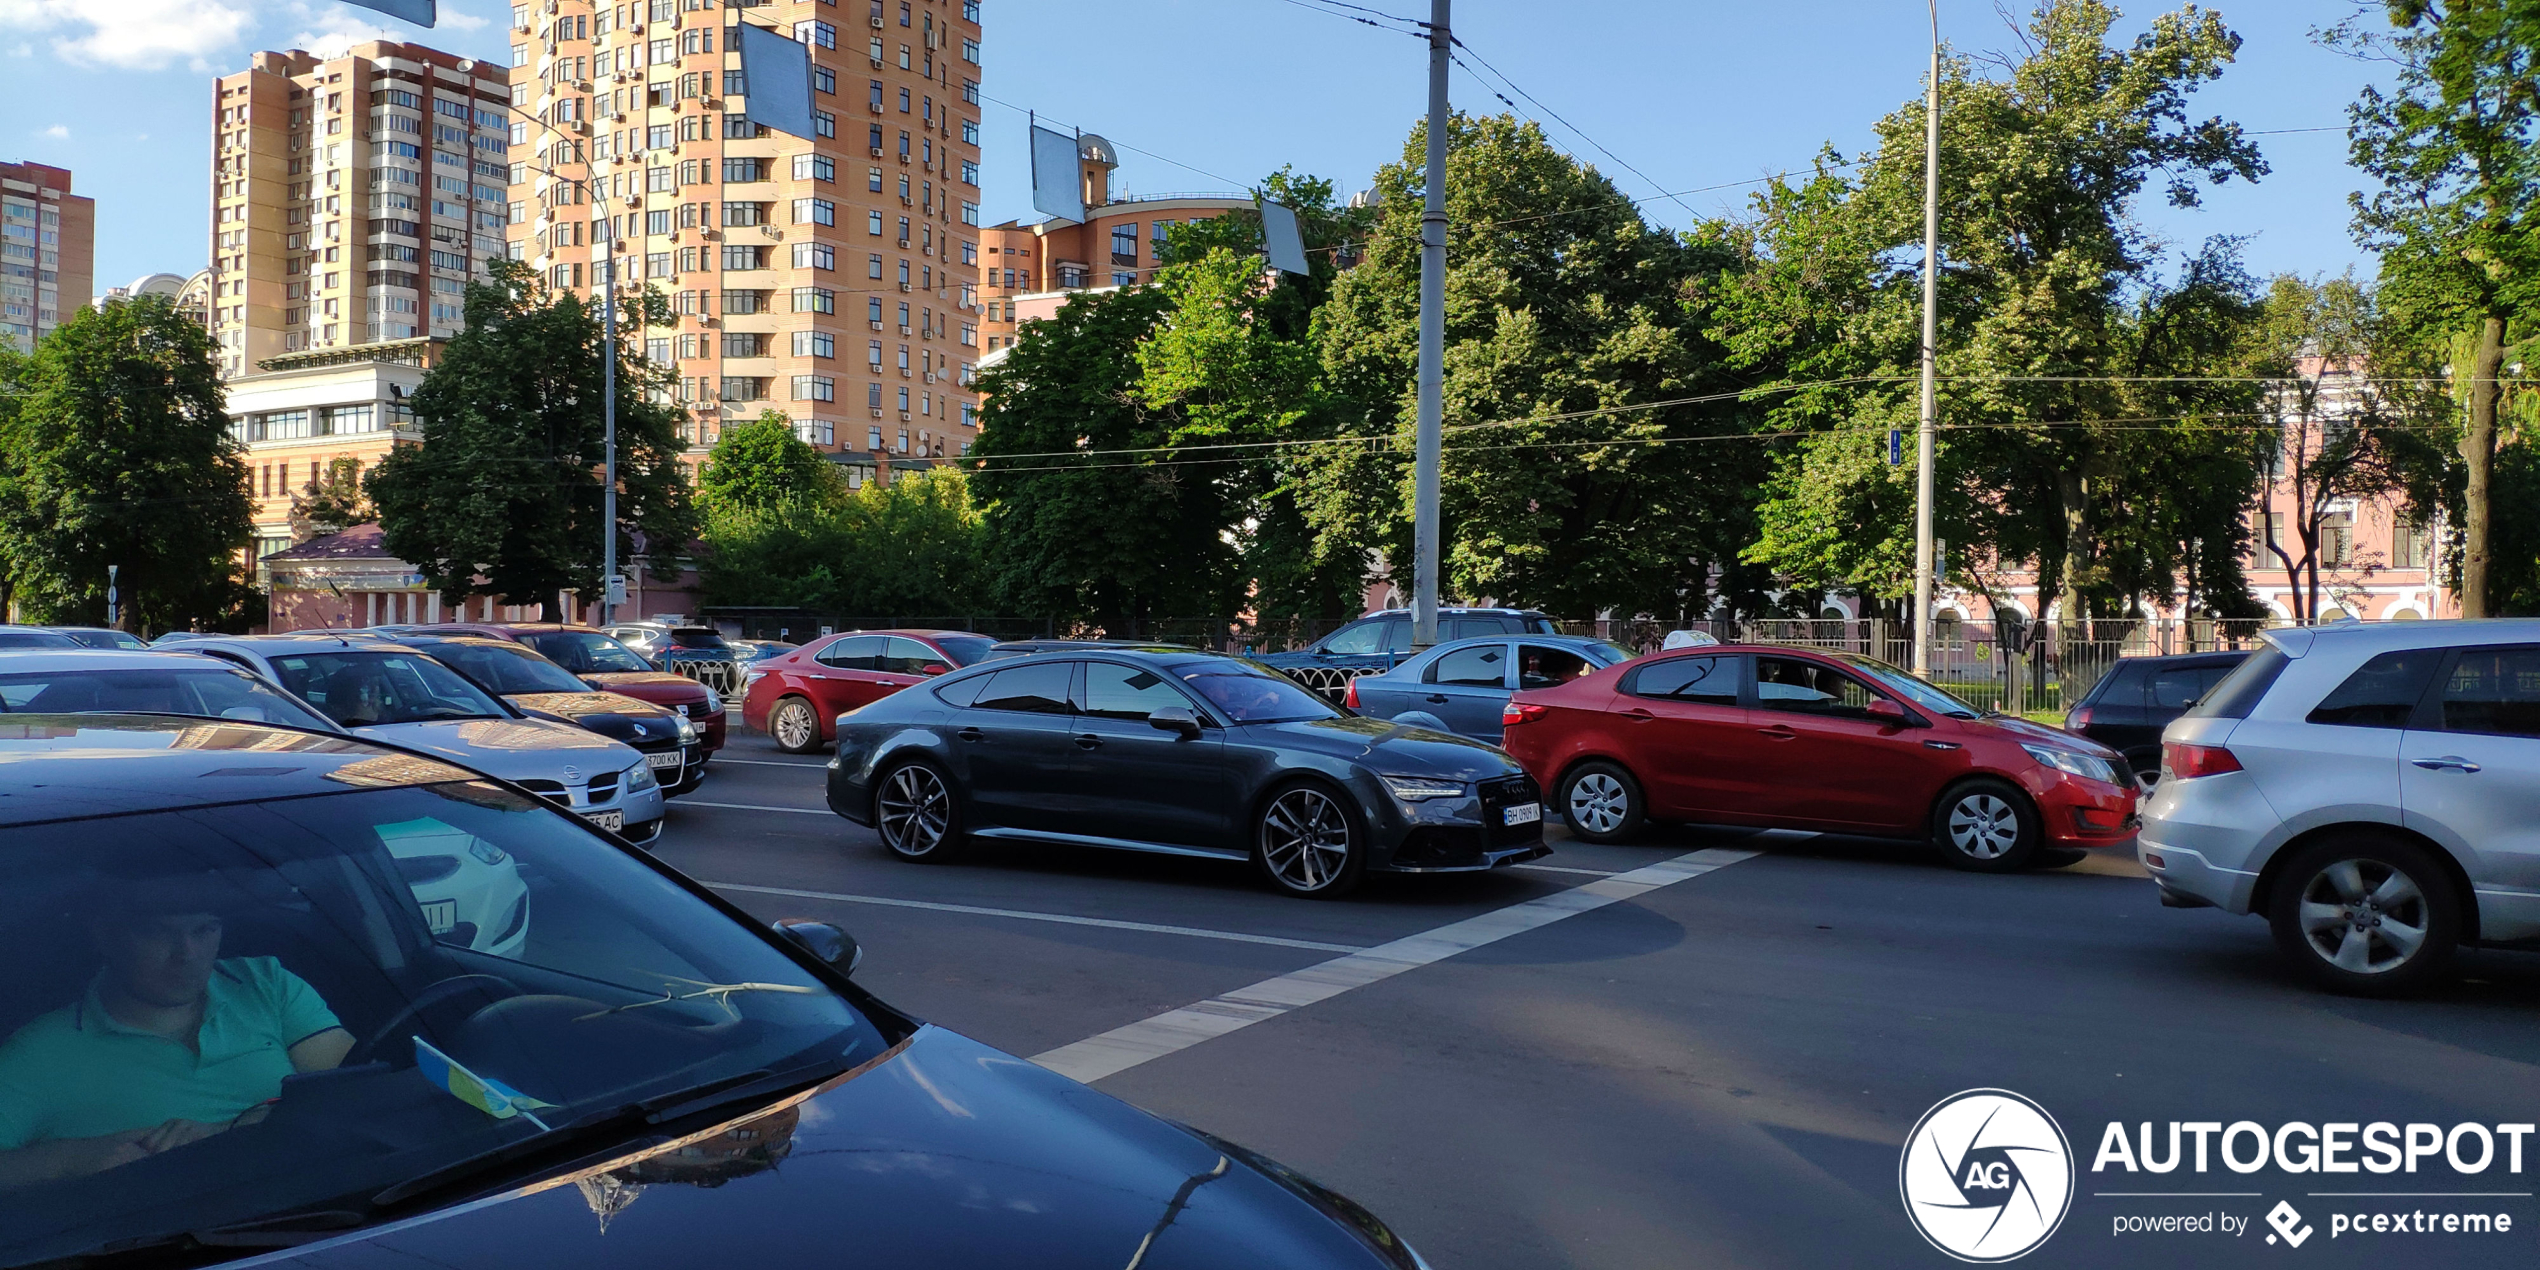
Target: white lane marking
(1122, 1048)
(799, 811)
(766, 762)
(1556, 868)
(1064, 919)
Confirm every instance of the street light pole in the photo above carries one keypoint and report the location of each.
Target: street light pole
(608, 434)
(1931, 357)
(1424, 505)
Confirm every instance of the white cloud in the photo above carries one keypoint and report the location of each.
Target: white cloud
(58, 132)
(132, 34)
(22, 49)
(452, 18)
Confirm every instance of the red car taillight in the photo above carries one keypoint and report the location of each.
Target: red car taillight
(2181, 761)
(1350, 698)
(1516, 712)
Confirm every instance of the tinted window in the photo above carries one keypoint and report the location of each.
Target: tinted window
(1254, 694)
(855, 652)
(1360, 639)
(1398, 635)
(1464, 627)
(962, 692)
(1035, 687)
(506, 668)
(35, 639)
(2177, 687)
(1709, 681)
(906, 656)
(1126, 692)
(2494, 690)
(1807, 687)
(586, 652)
(2240, 691)
(1905, 685)
(1481, 666)
(106, 639)
(210, 691)
(966, 650)
(1539, 666)
(361, 689)
(698, 637)
(2382, 693)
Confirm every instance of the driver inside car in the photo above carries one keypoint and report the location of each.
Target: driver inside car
(171, 1043)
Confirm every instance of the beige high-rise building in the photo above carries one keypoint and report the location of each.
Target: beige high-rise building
(833, 278)
(353, 197)
(47, 250)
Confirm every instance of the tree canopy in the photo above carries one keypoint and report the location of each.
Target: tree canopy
(763, 464)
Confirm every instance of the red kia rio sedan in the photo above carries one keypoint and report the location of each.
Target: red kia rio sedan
(796, 698)
(1750, 735)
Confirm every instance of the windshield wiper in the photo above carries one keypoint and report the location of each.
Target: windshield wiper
(719, 993)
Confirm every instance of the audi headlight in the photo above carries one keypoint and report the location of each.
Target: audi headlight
(2089, 765)
(714, 702)
(640, 778)
(1412, 789)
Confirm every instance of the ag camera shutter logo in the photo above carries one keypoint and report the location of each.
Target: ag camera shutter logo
(1986, 1176)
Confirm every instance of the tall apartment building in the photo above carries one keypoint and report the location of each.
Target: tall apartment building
(353, 197)
(832, 277)
(48, 239)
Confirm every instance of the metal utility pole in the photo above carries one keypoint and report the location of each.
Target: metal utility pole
(1931, 357)
(608, 434)
(1424, 506)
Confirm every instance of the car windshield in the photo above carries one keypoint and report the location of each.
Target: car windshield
(697, 637)
(965, 650)
(214, 692)
(36, 639)
(362, 689)
(1908, 687)
(506, 668)
(1608, 652)
(381, 985)
(587, 652)
(1250, 693)
(101, 638)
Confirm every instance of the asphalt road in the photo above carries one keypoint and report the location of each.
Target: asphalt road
(1713, 1062)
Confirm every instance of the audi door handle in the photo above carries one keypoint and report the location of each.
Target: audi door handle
(970, 734)
(1088, 741)
(2452, 761)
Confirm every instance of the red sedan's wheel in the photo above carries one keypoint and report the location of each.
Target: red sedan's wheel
(794, 726)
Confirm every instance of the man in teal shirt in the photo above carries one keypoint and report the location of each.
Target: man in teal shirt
(171, 1043)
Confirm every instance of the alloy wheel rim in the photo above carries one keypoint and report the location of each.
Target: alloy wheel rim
(793, 725)
(1305, 839)
(2363, 916)
(915, 811)
(2147, 781)
(1597, 803)
(1984, 826)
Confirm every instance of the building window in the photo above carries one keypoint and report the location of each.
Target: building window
(744, 388)
(814, 256)
(814, 344)
(873, 266)
(815, 388)
(2410, 544)
(742, 171)
(815, 300)
(815, 211)
(969, 213)
(970, 51)
(814, 167)
(1124, 243)
(816, 33)
(969, 172)
(2337, 540)
(824, 80)
(873, 354)
(744, 302)
(1124, 279)
(969, 335)
(873, 224)
(824, 124)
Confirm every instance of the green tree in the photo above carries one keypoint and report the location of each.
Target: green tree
(884, 553)
(2094, 425)
(1090, 517)
(1576, 473)
(503, 497)
(2455, 144)
(115, 449)
(762, 463)
(331, 501)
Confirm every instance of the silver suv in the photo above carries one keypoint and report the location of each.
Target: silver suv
(2374, 790)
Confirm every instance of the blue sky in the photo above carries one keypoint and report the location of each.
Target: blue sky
(1694, 93)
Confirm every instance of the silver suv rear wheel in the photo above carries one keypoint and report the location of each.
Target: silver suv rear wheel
(2365, 914)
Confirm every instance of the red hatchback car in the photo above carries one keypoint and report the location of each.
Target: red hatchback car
(601, 662)
(1748, 735)
(797, 697)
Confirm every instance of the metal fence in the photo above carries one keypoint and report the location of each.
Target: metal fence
(2017, 668)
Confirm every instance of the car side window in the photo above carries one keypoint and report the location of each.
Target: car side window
(1035, 687)
(1358, 640)
(1468, 627)
(906, 656)
(2494, 691)
(1112, 691)
(1540, 666)
(855, 652)
(1795, 686)
(1706, 681)
(1398, 635)
(1480, 666)
(962, 692)
(2178, 687)
(2382, 693)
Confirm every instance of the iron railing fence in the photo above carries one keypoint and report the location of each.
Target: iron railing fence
(2013, 668)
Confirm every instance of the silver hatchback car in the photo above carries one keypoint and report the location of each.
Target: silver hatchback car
(2374, 790)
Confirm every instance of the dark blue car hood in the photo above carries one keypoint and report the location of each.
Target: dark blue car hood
(947, 1154)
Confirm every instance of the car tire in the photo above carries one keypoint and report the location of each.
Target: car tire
(1309, 842)
(2366, 914)
(1601, 802)
(794, 725)
(917, 813)
(1986, 826)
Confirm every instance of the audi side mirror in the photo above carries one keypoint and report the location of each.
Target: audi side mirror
(826, 941)
(1175, 719)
